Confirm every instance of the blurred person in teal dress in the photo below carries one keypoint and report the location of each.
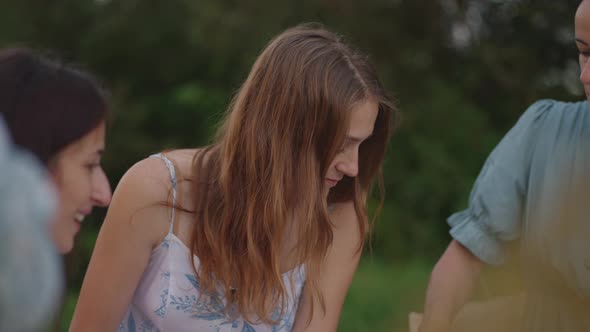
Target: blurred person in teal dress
(533, 190)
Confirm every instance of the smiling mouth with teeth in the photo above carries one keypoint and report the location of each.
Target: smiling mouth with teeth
(79, 217)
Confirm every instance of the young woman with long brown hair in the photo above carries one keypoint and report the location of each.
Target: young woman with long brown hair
(262, 230)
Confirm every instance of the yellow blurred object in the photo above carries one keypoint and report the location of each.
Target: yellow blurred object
(415, 319)
(503, 313)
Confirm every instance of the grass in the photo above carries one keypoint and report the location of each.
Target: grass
(379, 299)
(382, 295)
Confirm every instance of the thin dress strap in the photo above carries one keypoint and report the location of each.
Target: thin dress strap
(172, 171)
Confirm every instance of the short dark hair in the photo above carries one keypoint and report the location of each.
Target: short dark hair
(46, 104)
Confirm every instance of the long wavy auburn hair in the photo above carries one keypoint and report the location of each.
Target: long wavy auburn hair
(263, 176)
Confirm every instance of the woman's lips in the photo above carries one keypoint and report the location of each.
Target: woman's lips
(331, 182)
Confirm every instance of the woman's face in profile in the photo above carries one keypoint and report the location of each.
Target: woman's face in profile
(346, 162)
(81, 183)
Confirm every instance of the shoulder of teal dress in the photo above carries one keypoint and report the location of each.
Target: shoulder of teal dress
(562, 123)
(557, 108)
(537, 110)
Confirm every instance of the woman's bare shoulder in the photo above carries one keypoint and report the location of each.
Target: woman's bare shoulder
(148, 178)
(182, 160)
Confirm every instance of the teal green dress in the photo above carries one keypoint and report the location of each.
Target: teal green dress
(534, 188)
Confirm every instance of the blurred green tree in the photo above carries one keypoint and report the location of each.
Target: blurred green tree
(461, 71)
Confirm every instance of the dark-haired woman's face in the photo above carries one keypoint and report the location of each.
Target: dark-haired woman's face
(81, 183)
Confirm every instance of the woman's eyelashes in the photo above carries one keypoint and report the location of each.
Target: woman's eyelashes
(91, 166)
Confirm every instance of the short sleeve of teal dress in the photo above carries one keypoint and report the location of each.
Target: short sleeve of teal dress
(493, 216)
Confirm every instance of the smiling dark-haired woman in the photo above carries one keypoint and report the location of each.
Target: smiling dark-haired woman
(58, 113)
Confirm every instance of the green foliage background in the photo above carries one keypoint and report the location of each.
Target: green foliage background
(461, 71)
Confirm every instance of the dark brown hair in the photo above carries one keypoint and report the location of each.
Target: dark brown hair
(46, 104)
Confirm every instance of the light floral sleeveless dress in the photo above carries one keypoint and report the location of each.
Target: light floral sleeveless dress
(168, 297)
